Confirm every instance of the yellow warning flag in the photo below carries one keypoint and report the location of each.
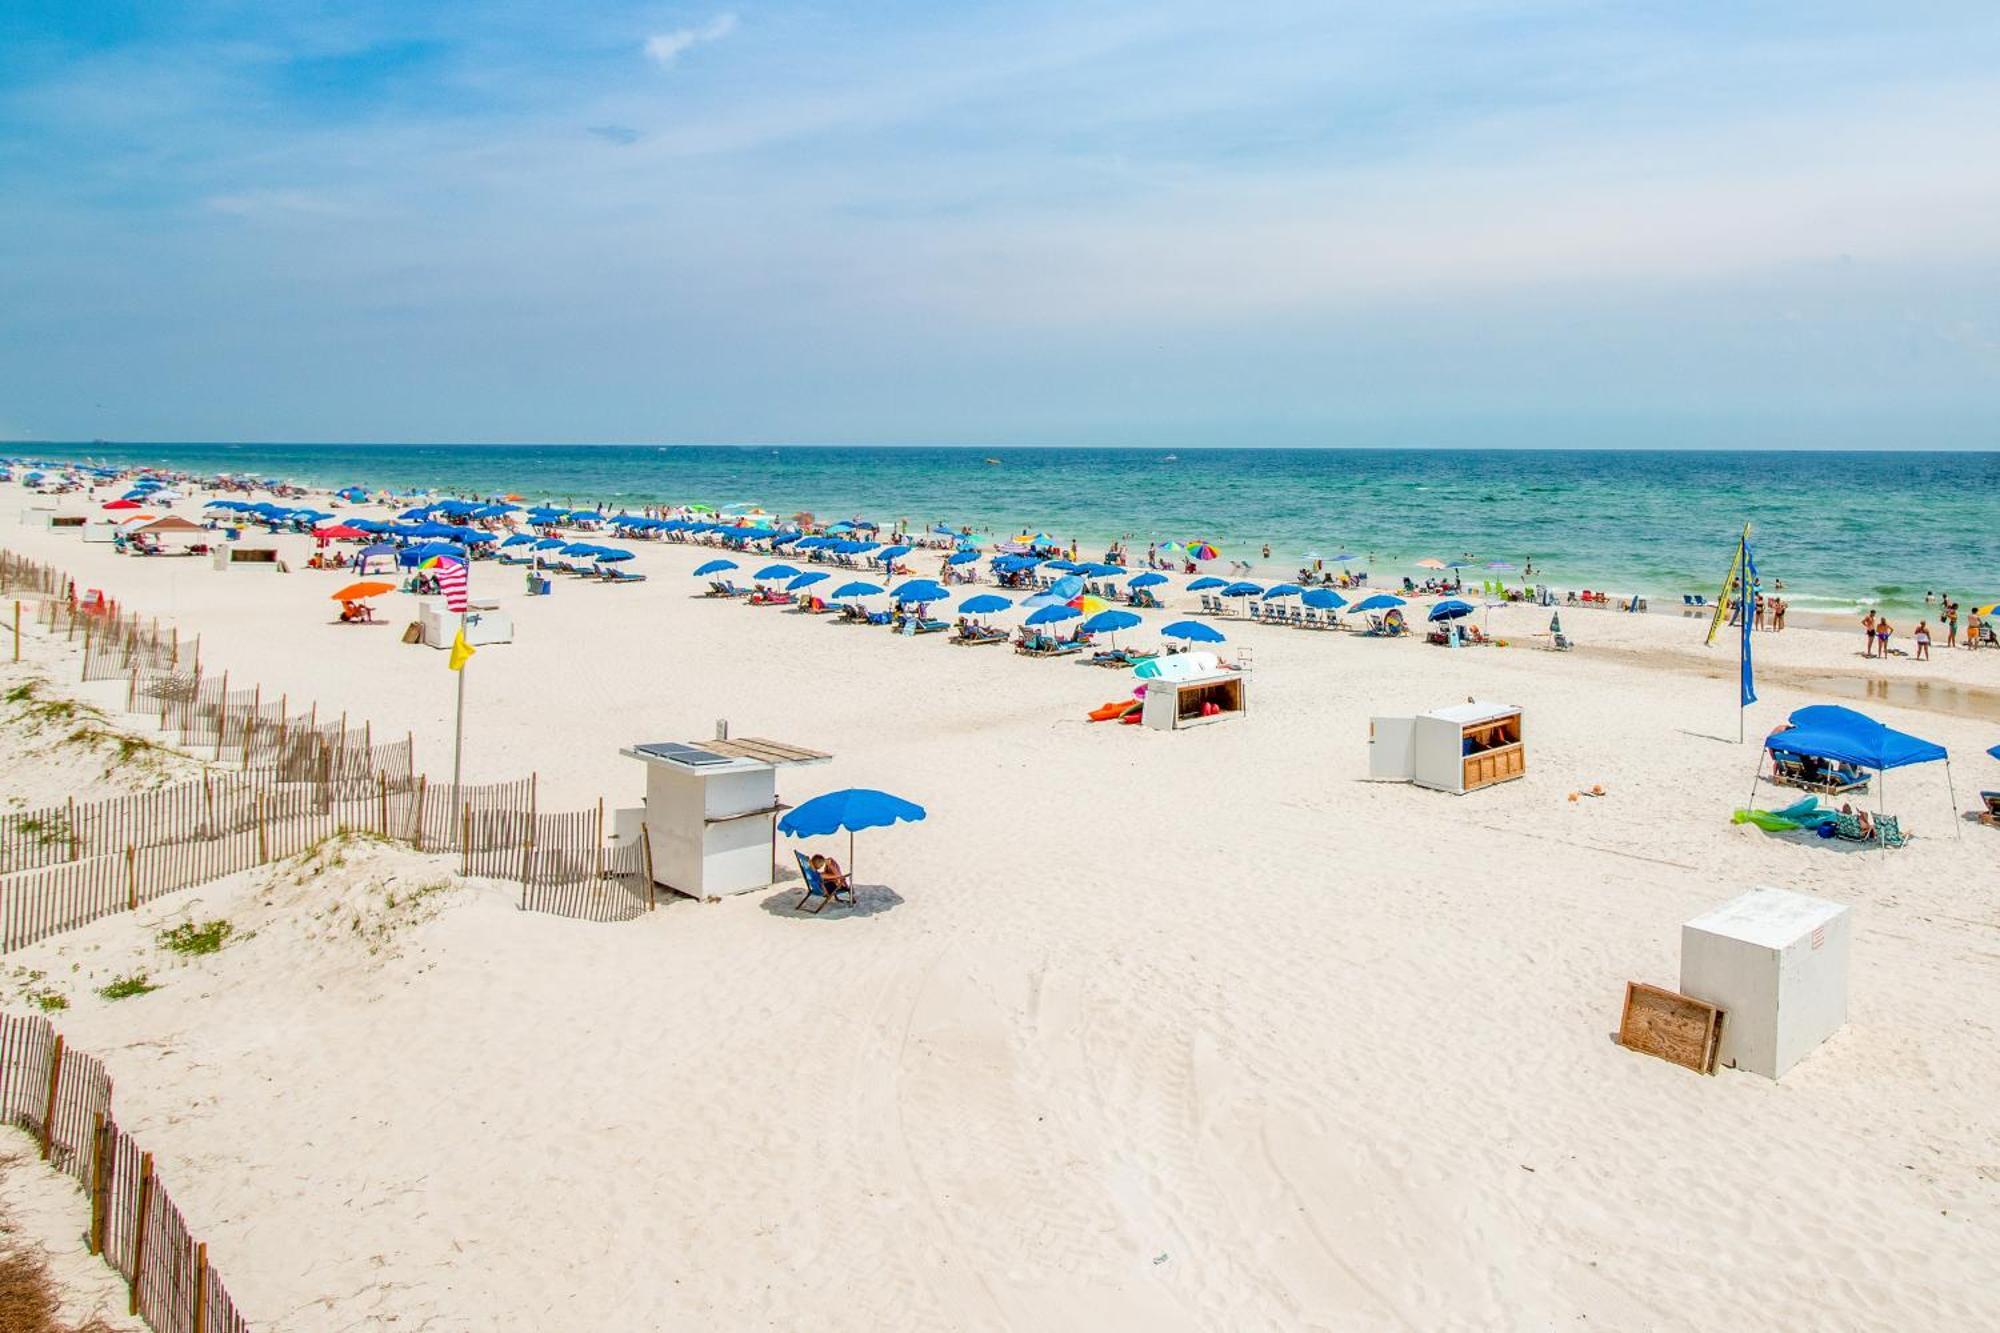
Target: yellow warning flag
(461, 651)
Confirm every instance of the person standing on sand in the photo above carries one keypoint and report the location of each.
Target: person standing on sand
(1882, 638)
(1777, 614)
(1868, 635)
(1923, 637)
(1951, 624)
(1972, 629)
(1758, 623)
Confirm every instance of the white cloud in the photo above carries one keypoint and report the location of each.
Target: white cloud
(663, 48)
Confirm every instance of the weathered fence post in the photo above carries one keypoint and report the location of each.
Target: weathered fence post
(100, 1138)
(382, 786)
(465, 843)
(17, 631)
(417, 831)
(222, 716)
(49, 1110)
(69, 825)
(139, 1227)
(263, 842)
(646, 849)
(201, 1287)
(131, 878)
(600, 841)
(132, 690)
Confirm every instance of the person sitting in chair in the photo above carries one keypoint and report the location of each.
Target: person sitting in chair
(831, 876)
(352, 613)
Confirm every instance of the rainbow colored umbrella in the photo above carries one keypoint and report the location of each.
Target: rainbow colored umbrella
(1202, 551)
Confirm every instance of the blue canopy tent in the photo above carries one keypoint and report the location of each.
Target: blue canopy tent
(1843, 736)
(852, 809)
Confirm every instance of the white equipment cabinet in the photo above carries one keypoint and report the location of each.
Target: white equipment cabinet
(1172, 704)
(485, 623)
(1457, 749)
(711, 813)
(1775, 963)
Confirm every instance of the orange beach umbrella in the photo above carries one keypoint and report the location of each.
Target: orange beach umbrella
(355, 592)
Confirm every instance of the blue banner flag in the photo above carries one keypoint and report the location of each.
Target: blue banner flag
(1747, 593)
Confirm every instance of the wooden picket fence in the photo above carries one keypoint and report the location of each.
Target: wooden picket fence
(62, 1099)
(298, 778)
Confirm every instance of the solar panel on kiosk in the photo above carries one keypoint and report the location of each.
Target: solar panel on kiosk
(688, 756)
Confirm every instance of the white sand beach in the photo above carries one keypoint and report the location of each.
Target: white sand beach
(1138, 1030)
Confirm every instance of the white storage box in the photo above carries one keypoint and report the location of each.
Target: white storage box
(1775, 962)
(484, 623)
(1457, 749)
(1171, 705)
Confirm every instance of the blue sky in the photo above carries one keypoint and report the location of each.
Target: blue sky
(1456, 223)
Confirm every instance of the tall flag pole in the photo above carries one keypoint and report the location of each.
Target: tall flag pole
(453, 580)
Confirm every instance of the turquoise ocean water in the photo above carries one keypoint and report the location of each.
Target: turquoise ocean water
(1841, 529)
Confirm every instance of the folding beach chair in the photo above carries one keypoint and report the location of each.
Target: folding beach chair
(1890, 831)
(816, 887)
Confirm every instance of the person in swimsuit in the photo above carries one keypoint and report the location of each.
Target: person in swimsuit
(1923, 637)
(1882, 636)
(1868, 635)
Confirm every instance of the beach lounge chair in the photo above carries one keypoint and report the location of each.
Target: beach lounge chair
(1991, 800)
(816, 888)
(722, 588)
(1793, 771)
(622, 576)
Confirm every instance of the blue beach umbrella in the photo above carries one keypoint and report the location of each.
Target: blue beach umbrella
(1323, 599)
(856, 589)
(1049, 615)
(714, 567)
(549, 544)
(611, 554)
(1207, 581)
(1381, 601)
(1107, 622)
(779, 571)
(1451, 610)
(520, 539)
(890, 553)
(1344, 555)
(1148, 579)
(1193, 631)
(1064, 588)
(1244, 589)
(850, 810)
(984, 604)
(807, 579)
(1284, 590)
(961, 557)
(923, 590)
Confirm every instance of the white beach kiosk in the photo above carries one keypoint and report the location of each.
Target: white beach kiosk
(1457, 749)
(710, 821)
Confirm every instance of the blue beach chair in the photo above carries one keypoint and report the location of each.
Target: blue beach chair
(816, 888)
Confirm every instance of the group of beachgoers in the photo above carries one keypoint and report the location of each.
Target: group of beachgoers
(1876, 632)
